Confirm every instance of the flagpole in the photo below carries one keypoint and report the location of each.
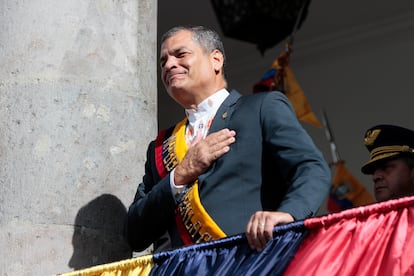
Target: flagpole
(347, 191)
(329, 135)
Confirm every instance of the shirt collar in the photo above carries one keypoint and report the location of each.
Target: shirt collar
(208, 107)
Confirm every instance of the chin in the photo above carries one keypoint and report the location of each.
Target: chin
(175, 89)
(381, 198)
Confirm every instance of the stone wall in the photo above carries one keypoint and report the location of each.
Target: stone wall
(77, 110)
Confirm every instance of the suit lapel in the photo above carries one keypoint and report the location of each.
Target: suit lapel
(223, 115)
(221, 120)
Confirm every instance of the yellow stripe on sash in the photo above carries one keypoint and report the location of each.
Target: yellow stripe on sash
(181, 144)
(197, 222)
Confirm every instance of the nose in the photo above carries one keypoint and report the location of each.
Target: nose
(168, 63)
(377, 175)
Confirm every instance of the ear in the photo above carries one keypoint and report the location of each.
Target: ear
(217, 60)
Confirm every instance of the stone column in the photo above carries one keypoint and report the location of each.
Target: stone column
(77, 110)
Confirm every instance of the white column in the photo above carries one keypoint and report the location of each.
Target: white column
(77, 110)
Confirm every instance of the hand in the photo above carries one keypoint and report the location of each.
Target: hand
(260, 227)
(201, 154)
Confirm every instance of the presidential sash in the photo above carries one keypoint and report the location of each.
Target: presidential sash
(194, 223)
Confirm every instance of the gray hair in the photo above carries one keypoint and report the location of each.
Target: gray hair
(208, 39)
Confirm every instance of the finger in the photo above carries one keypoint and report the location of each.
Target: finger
(218, 146)
(217, 153)
(251, 233)
(267, 235)
(220, 136)
(256, 232)
(196, 139)
(261, 237)
(264, 229)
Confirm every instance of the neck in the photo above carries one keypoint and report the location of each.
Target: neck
(199, 98)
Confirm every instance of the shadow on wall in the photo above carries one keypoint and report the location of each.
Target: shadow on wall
(98, 234)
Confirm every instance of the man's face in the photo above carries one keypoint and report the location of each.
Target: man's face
(186, 71)
(393, 179)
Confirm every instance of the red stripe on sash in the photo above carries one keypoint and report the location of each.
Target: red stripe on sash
(158, 153)
(185, 237)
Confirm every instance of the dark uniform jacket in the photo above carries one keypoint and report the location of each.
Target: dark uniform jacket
(273, 165)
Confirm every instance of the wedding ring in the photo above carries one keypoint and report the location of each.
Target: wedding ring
(261, 225)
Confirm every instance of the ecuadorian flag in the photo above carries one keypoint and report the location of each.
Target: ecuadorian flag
(376, 239)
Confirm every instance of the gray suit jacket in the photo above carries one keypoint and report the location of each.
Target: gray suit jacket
(273, 165)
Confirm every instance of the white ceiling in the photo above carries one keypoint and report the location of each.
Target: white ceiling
(328, 24)
(326, 18)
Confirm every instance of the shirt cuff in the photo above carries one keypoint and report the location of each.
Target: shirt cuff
(176, 189)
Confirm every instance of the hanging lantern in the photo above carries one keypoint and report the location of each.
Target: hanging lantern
(262, 22)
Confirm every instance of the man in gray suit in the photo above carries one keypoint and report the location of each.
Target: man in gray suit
(235, 164)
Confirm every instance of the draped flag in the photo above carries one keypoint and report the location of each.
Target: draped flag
(281, 78)
(372, 240)
(375, 239)
(346, 191)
